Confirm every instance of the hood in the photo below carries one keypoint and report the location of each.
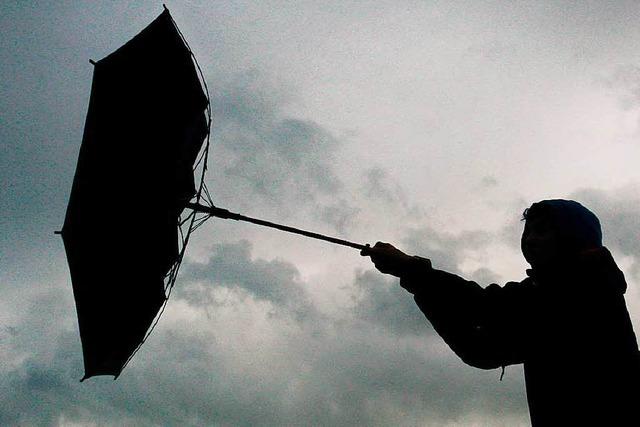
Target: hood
(591, 267)
(577, 228)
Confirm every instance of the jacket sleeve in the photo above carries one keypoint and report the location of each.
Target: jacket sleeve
(486, 327)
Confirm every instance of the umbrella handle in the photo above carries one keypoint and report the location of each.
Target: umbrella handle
(225, 214)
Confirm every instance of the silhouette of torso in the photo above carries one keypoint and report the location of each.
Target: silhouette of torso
(569, 327)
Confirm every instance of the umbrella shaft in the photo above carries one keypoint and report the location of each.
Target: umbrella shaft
(225, 214)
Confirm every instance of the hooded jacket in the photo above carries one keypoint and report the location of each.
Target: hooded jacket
(569, 327)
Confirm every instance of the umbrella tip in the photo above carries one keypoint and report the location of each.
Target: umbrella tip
(57, 232)
(92, 62)
(165, 6)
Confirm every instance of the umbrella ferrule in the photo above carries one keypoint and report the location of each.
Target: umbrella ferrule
(222, 213)
(213, 211)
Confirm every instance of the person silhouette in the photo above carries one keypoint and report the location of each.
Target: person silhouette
(567, 321)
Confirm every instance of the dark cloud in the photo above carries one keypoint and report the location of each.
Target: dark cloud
(341, 215)
(262, 158)
(384, 197)
(231, 265)
(261, 155)
(379, 187)
(40, 392)
(446, 251)
(241, 343)
(364, 377)
(376, 364)
(356, 377)
(382, 302)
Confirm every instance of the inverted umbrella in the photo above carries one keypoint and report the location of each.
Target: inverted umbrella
(146, 136)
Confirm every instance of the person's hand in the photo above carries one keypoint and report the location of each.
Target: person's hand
(388, 259)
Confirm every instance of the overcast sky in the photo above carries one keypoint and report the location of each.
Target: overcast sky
(431, 125)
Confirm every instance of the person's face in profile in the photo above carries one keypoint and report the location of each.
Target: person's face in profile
(539, 243)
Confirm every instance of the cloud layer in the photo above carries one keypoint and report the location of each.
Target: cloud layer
(240, 345)
(429, 125)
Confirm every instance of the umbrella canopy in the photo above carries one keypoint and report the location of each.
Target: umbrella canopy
(145, 126)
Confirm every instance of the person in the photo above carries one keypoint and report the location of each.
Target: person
(567, 321)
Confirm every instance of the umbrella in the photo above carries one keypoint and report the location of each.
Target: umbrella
(135, 199)
(146, 124)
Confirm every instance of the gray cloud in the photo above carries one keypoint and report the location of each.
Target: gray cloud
(261, 155)
(382, 302)
(386, 198)
(445, 250)
(376, 364)
(355, 377)
(231, 265)
(233, 348)
(380, 188)
(341, 215)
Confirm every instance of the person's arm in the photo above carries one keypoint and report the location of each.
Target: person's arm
(486, 327)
